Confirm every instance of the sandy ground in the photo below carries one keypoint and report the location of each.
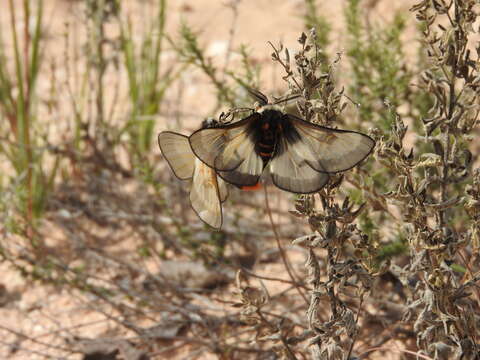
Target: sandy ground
(41, 310)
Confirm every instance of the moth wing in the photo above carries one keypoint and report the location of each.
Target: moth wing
(205, 195)
(291, 172)
(178, 153)
(230, 151)
(248, 172)
(331, 150)
(222, 189)
(210, 143)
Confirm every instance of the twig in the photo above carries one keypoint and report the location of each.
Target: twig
(233, 4)
(48, 345)
(361, 356)
(17, 348)
(269, 278)
(280, 248)
(356, 332)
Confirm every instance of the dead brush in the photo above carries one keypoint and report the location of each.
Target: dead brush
(431, 192)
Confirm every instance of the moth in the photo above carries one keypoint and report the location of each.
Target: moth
(298, 155)
(207, 192)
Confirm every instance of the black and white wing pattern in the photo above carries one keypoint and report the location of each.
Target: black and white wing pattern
(230, 150)
(330, 150)
(291, 172)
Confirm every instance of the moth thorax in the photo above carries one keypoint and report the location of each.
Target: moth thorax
(273, 116)
(268, 108)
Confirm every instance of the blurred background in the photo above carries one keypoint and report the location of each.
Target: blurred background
(102, 255)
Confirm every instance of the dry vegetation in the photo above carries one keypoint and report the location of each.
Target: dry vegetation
(99, 236)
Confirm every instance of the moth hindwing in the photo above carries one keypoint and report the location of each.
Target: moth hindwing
(207, 191)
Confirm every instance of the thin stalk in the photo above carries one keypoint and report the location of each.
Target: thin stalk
(286, 263)
(18, 65)
(23, 101)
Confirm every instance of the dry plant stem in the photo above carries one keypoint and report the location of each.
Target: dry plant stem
(69, 328)
(421, 356)
(231, 34)
(270, 278)
(33, 340)
(189, 341)
(290, 353)
(280, 248)
(356, 333)
(331, 289)
(286, 66)
(15, 349)
(468, 266)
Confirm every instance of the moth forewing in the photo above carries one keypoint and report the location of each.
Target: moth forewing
(235, 150)
(178, 153)
(221, 143)
(332, 150)
(205, 196)
(240, 158)
(239, 164)
(206, 144)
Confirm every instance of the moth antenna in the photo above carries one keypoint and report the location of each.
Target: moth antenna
(286, 99)
(261, 98)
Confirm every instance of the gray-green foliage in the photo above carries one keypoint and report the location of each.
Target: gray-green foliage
(315, 19)
(22, 145)
(378, 62)
(147, 78)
